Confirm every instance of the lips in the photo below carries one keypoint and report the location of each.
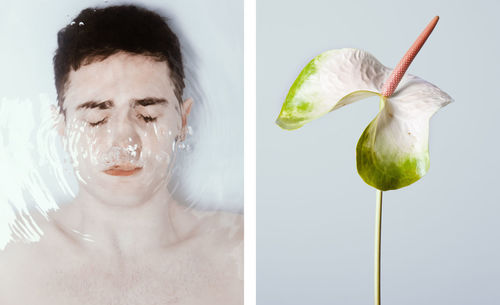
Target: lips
(122, 170)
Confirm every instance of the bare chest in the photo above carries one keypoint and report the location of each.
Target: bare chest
(176, 281)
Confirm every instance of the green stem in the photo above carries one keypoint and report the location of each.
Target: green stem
(378, 241)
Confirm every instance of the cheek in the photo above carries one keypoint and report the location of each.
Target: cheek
(159, 145)
(85, 144)
(165, 131)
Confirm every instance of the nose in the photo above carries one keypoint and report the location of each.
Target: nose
(127, 144)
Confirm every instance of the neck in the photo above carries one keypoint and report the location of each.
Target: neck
(122, 230)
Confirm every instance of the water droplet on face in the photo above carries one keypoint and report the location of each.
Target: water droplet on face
(81, 23)
(132, 150)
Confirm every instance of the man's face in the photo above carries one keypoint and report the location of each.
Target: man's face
(122, 119)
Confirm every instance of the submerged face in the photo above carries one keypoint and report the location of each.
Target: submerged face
(122, 122)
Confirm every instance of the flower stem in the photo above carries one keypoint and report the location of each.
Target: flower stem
(397, 74)
(378, 241)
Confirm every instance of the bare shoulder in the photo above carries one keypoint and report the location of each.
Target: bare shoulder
(19, 262)
(223, 235)
(28, 263)
(225, 225)
(12, 258)
(22, 259)
(26, 242)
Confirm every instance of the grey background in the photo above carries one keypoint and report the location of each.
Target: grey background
(315, 216)
(211, 34)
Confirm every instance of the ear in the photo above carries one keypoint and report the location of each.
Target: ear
(186, 109)
(58, 119)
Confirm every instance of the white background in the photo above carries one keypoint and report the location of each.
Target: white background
(315, 216)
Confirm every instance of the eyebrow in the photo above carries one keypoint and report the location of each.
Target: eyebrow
(149, 101)
(94, 104)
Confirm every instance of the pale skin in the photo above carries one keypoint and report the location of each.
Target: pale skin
(124, 240)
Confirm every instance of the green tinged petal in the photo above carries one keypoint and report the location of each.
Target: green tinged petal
(393, 151)
(326, 81)
(381, 161)
(295, 110)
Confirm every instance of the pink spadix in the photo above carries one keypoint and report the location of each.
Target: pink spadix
(397, 74)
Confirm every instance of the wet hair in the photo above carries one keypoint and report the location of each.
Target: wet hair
(97, 33)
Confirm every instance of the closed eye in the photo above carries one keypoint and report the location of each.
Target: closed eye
(94, 124)
(146, 118)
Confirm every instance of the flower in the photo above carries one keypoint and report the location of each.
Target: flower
(393, 150)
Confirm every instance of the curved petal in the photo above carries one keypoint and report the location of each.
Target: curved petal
(325, 83)
(393, 150)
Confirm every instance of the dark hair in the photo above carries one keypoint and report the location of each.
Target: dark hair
(97, 33)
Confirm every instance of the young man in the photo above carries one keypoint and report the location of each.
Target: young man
(124, 240)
